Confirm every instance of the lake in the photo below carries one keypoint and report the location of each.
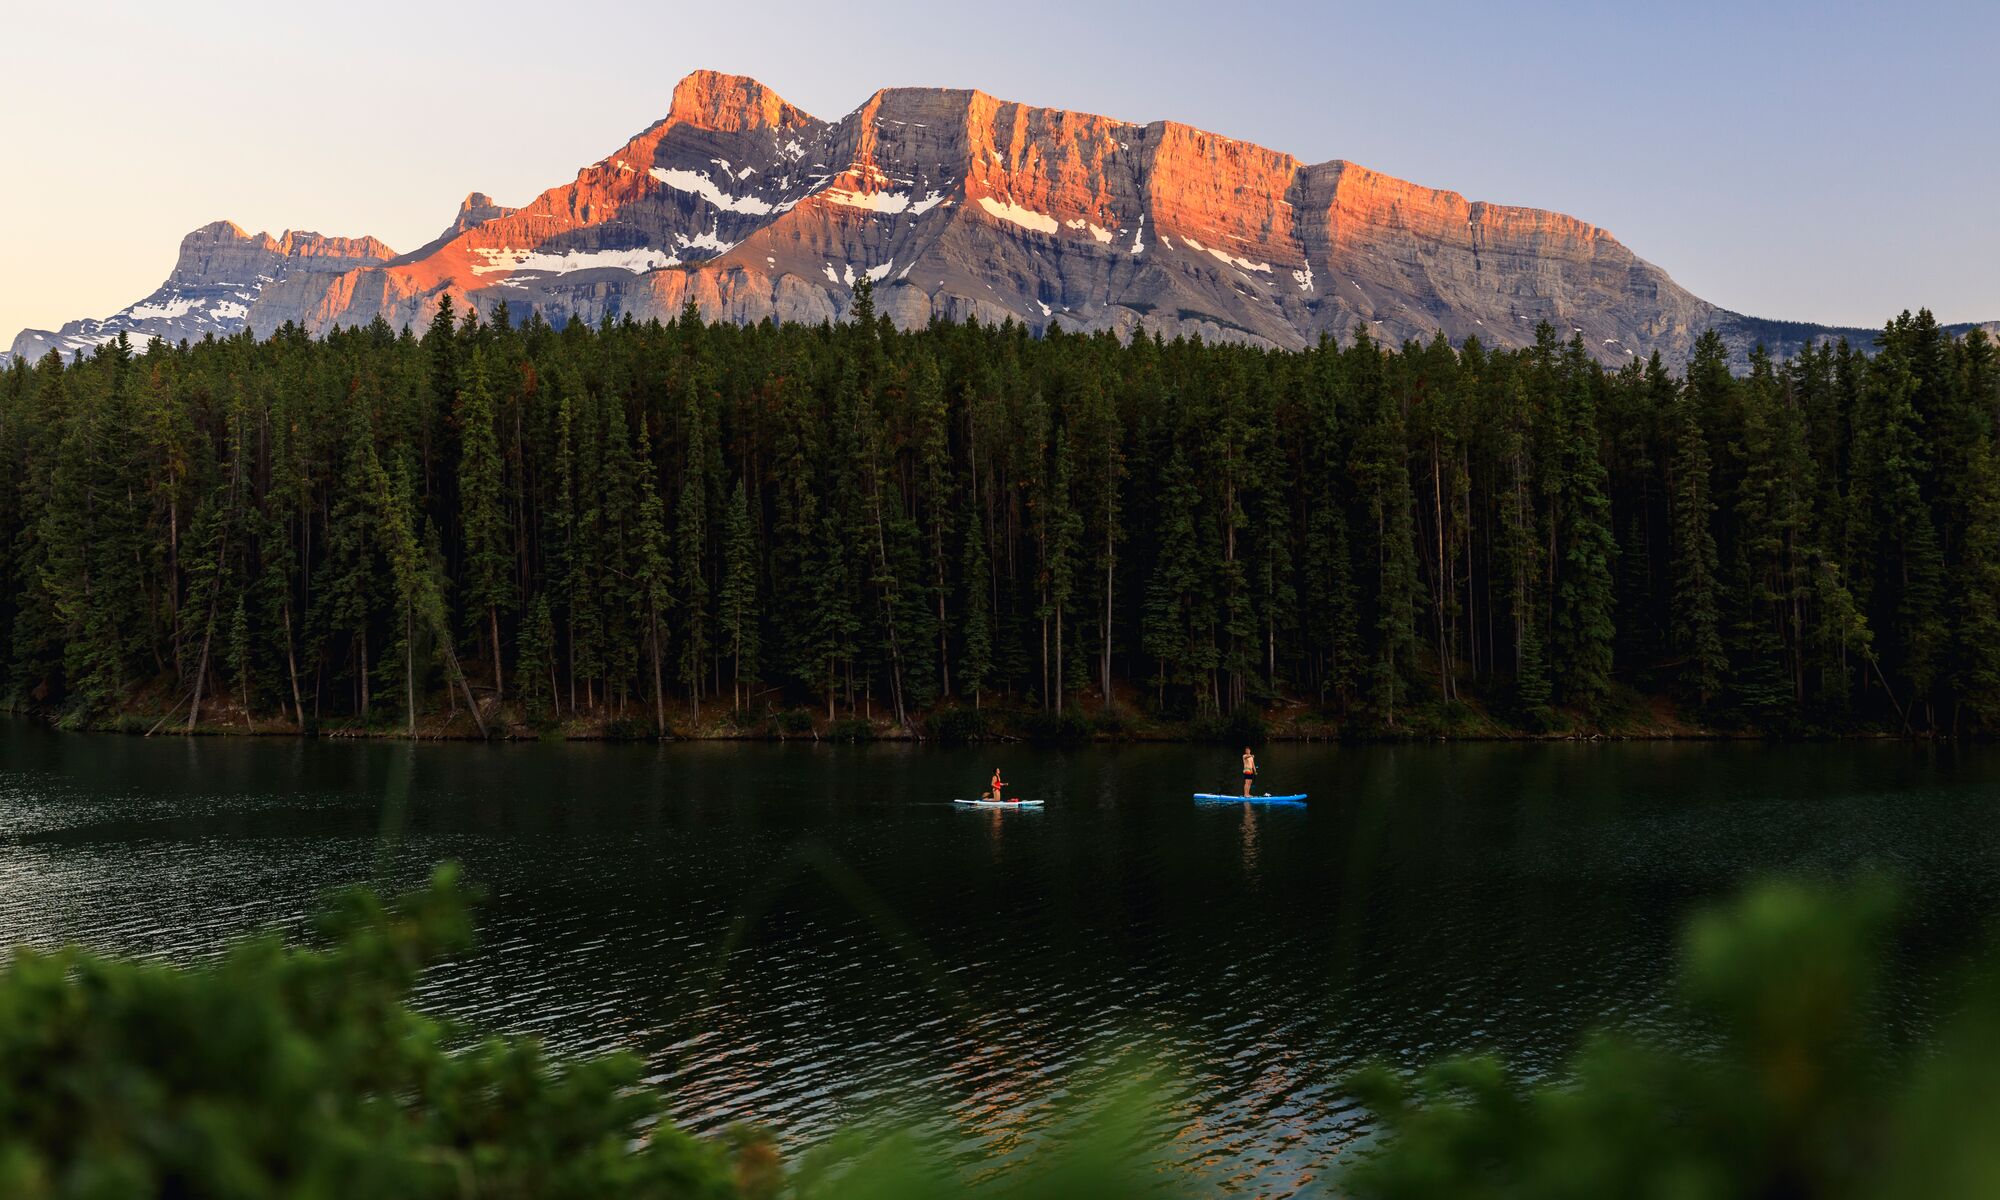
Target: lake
(811, 936)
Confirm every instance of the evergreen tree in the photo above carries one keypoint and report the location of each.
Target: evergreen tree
(348, 583)
(210, 580)
(691, 584)
(489, 556)
(396, 505)
(534, 666)
(1178, 610)
(737, 607)
(93, 535)
(1331, 626)
(1381, 471)
(932, 416)
(1583, 609)
(1065, 529)
(1695, 613)
(975, 573)
(1976, 663)
(833, 625)
(652, 575)
(1909, 598)
(1521, 550)
(898, 517)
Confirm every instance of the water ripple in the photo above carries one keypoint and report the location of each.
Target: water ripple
(997, 972)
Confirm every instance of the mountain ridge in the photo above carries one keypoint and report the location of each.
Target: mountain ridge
(219, 274)
(958, 204)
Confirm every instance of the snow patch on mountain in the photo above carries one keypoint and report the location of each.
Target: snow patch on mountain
(1026, 218)
(873, 274)
(1241, 264)
(698, 183)
(178, 306)
(637, 261)
(708, 239)
(884, 202)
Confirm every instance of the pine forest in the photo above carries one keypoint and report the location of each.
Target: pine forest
(647, 529)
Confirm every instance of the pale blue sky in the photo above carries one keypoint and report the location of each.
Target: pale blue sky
(1832, 162)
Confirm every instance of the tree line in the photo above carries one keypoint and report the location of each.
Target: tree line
(645, 521)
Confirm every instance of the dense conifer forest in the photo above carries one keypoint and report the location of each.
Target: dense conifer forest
(658, 527)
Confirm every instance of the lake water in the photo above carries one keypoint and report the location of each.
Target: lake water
(811, 936)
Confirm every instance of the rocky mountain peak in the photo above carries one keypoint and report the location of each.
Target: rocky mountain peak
(214, 232)
(220, 253)
(732, 104)
(476, 209)
(221, 272)
(957, 204)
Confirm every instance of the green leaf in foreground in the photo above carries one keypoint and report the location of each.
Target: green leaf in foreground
(284, 1072)
(276, 1071)
(1783, 1082)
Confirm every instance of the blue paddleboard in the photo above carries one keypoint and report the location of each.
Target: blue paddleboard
(1218, 798)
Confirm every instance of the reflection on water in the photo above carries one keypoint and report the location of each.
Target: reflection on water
(811, 936)
(1250, 844)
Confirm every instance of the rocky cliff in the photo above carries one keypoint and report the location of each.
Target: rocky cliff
(220, 274)
(958, 204)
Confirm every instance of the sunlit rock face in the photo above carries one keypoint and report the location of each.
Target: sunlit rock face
(956, 204)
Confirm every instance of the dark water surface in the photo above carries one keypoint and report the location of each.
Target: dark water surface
(970, 970)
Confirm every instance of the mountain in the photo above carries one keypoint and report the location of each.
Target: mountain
(221, 274)
(956, 204)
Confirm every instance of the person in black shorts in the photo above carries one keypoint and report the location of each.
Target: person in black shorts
(1249, 771)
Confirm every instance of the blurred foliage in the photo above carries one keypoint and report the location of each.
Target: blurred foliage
(280, 1071)
(276, 1071)
(1783, 1081)
(1119, 1150)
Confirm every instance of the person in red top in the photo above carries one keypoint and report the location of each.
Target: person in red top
(997, 785)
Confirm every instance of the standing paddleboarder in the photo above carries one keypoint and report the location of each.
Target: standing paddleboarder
(1249, 771)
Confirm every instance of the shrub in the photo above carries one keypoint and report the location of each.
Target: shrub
(1802, 1083)
(956, 726)
(1056, 729)
(1245, 726)
(794, 722)
(632, 729)
(278, 1071)
(749, 720)
(850, 729)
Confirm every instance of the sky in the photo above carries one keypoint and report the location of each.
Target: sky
(1832, 161)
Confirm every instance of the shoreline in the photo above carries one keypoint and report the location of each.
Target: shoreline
(1082, 726)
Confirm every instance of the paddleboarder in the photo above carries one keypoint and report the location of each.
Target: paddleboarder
(1249, 771)
(994, 795)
